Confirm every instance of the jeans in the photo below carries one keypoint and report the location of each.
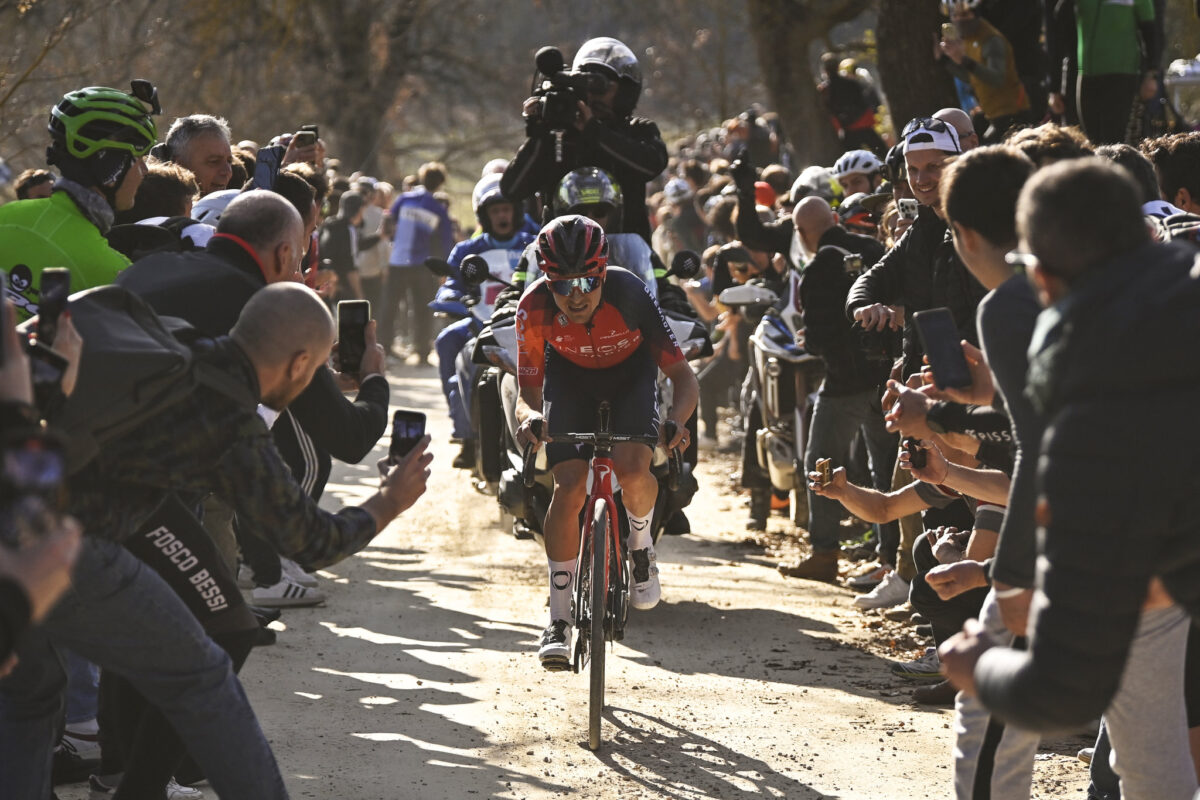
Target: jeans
(123, 616)
(449, 344)
(416, 286)
(834, 421)
(83, 688)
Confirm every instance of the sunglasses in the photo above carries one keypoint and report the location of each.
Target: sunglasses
(566, 286)
(924, 124)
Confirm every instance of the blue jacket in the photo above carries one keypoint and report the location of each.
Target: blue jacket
(422, 228)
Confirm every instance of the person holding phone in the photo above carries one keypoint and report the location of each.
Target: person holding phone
(200, 143)
(922, 271)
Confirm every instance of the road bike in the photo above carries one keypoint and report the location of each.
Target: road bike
(600, 603)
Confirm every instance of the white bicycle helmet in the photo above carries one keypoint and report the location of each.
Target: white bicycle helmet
(819, 181)
(860, 162)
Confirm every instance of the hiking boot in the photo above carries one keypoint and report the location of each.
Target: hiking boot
(646, 589)
(820, 566)
(555, 649)
(891, 591)
(286, 594)
(466, 456)
(925, 668)
(760, 507)
(935, 694)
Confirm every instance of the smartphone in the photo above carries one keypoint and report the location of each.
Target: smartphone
(853, 264)
(266, 167)
(825, 467)
(908, 208)
(352, 319)
(916, 456)
(949, 32)
(943, 348)
(304, 138)
(56, 286)
(316, 131)
(407, 429)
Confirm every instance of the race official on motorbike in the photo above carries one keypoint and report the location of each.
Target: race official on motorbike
(586, 333)
(605, 134)
(501, 245)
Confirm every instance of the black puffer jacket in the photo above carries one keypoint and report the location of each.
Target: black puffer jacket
(827, 333)
(1116, 376)
(921, 272)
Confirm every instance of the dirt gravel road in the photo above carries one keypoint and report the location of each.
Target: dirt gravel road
(419, 678)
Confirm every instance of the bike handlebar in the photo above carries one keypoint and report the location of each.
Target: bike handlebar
(674, 457)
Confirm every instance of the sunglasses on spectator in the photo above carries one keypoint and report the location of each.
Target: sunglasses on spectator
(924, 124)
(567, 285)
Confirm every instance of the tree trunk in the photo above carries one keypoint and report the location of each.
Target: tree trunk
(915, 84)
(782, 32)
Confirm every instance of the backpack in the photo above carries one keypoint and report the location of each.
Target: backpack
(134, 365)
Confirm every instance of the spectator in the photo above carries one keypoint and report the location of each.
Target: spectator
(1048, 143)
(34, 184)
(168, 190)
(1119, 53)
(419, 227)
(851, 106)
(1176, 161)
(340, 244)
(982, 56)
(207, 442)
(200, 144)
(848, 399)
(1120, 650)
(373, 260)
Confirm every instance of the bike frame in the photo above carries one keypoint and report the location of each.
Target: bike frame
(602, 491)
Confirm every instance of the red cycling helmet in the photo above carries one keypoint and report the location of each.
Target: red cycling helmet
(572, 247)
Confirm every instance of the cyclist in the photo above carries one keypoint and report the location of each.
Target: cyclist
(98, 140)
(586, 333)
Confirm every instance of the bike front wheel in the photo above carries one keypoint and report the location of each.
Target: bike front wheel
(601, 540)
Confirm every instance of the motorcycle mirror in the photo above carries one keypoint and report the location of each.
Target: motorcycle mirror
(748, 295)
(474, 269)
(685, 265)
(438, 267)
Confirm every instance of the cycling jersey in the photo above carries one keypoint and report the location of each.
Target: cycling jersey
(626, 317)
(51, 232)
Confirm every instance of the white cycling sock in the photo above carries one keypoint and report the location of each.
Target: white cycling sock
(639, 531)
(562, 584)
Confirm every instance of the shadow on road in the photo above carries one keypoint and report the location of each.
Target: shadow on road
(674, 762)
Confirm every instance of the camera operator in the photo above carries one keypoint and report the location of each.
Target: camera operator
(584, 118)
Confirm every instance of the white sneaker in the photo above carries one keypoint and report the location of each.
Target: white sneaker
(646, 590)
(103, 787)
(927, 667)
(297, 573)
(286, 594)
(891, 591)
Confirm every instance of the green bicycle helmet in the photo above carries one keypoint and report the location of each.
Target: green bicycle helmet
(97, 133)
(97, 118)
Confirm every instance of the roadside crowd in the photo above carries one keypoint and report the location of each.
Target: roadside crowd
(1026, 472)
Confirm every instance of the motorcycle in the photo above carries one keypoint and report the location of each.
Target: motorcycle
(494, 414)
(780, 389)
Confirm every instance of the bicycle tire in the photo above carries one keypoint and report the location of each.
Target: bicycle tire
(600, 535)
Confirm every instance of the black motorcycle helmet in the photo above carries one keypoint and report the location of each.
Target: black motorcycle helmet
(615, 61)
